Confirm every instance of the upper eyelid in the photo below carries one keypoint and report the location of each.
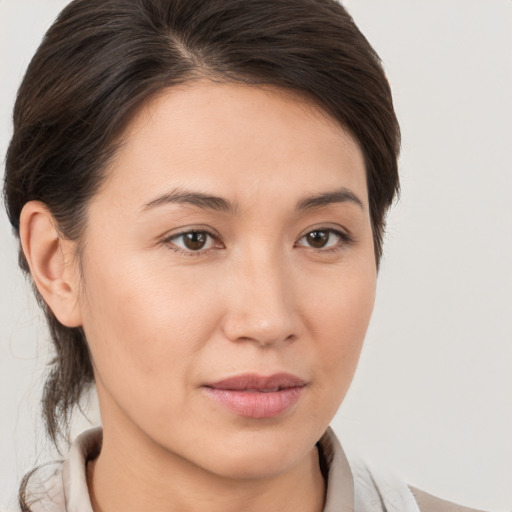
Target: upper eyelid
(215, 234)
(344, 234)
(215, 240)
(169, 241)
(333, 229)
(185, 231)
(337, 232)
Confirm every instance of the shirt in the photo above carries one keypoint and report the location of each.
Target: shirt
(351, 486)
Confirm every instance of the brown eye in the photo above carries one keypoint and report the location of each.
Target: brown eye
(324, 239)
(192, 241)
(317, 239)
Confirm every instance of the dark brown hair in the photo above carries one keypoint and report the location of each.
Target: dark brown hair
(102, 58)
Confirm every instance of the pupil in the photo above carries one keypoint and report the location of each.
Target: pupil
(317, 239)
(195, 241)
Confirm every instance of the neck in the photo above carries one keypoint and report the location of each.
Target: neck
(131, 475)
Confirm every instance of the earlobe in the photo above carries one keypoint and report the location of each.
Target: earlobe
(50, 259)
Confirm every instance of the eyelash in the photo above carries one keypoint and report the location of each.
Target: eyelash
(169, 242)
(344, 240)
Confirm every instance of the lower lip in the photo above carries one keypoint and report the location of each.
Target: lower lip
(253, 404)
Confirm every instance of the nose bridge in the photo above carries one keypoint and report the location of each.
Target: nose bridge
(263, 302)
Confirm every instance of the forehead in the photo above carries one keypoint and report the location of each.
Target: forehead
(234, 140)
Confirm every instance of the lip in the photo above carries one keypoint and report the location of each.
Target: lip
(257, 396)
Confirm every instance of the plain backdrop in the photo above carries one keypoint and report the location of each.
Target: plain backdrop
(432, 398)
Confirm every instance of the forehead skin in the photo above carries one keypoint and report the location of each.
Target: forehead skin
(219, 119)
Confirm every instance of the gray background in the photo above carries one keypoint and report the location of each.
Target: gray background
(433, 394)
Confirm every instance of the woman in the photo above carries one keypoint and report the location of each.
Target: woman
(200, 190)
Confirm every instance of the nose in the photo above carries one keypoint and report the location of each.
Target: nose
(262, 304)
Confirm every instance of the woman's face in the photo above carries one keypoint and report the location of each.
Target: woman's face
(228, 278)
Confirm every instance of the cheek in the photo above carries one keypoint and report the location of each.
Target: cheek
(339, 318)
(141, 322)
(342, 302)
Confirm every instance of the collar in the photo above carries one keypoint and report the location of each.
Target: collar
(75, 494)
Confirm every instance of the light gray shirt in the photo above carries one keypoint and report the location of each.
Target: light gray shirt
(351, 485)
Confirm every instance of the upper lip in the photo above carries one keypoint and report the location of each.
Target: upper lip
(256, 382)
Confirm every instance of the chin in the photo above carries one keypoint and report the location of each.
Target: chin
(259, 454)
(255, 465)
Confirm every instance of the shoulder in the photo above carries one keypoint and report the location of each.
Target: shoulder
(62, 486)
(43, 489)
(354, 485)
(428, 503)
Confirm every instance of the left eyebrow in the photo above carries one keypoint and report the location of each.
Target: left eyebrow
(343, 195)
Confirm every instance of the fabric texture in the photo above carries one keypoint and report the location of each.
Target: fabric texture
(351, 485)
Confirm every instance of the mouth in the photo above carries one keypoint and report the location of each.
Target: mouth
(255, 396)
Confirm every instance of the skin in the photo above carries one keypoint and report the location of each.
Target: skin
(163, 320)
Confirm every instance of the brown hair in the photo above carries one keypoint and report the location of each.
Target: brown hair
(103, 58)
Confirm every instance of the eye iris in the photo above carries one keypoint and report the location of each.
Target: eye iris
(194, 241)
(317, 239)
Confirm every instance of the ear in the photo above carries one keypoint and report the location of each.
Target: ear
(51, 262)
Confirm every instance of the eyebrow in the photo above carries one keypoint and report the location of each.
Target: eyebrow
(200, 199)
(216, 203)
(343, 195)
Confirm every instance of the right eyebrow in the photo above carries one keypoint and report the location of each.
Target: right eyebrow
(199, 199)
